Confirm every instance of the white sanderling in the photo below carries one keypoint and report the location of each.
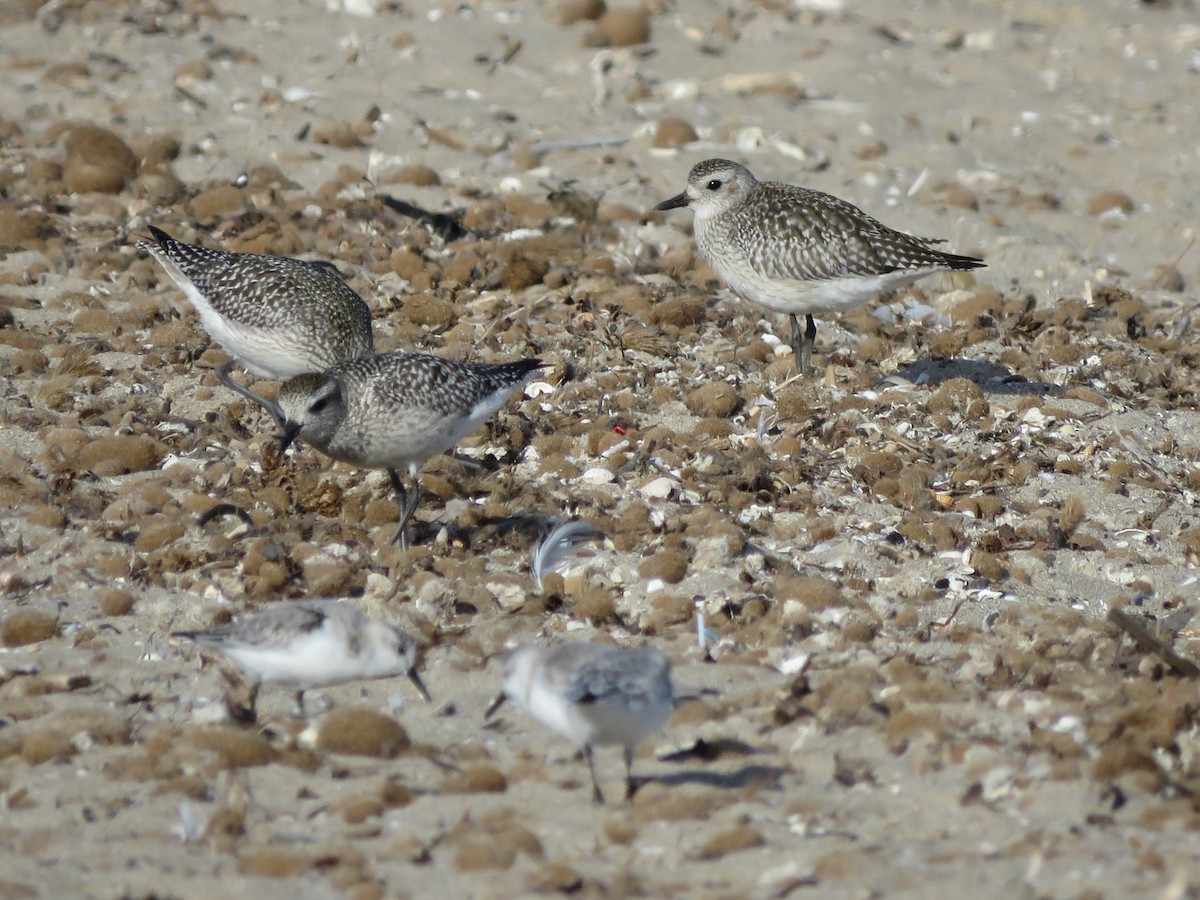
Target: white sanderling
(395, 411)
(275, 315)
(795, 250)
(313, 643)
(592, 694)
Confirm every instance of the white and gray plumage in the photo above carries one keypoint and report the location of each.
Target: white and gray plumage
(795, 250)
(277, 316)
(311, 644)
(592, 694)
(395, 411)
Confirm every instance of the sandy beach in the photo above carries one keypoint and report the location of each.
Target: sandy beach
(911, 684)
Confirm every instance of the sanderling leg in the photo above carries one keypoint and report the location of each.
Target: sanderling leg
(629, 785)
(597, 795)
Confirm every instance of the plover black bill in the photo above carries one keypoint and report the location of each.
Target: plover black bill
(593, 695)
(795, 250)
(277, 316)
(314, 643)
(395, 411)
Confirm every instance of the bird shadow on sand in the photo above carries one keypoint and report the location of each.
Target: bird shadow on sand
(991, 377)
(750, 775)
(486, 530)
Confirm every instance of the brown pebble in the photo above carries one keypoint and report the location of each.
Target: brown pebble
(669, 565)
(475, 780)
(429, 311)
(360, 731)
(813, 591)
(572, 11)
(157, 150)
(1111, 201)
(46, 745)
(673, 132)
(19, 226)
(1167, 277)
(522, 272)
(554, 877)
(621, 28)
(422, 176)
(97, 160)
(717, 399)
(336, 134)
(116, 602)
(273, 864)
(481, 853)
(235, 748)
(743, 837)
(120, 454)
(679, 312)
(27, 626)
(959, 395)
(217, 202)
(954, 194)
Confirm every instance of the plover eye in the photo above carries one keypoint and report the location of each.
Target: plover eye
(714, 185)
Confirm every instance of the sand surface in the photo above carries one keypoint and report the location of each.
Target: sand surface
(911, 687)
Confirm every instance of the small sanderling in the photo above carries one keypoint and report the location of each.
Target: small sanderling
(313, 643)
(592, 694)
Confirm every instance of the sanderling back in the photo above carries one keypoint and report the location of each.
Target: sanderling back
(795, 250)
(592, 694)
(313, 643)
(275, 315)
(395, 411)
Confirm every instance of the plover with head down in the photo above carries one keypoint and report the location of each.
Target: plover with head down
(312, 643)
(795, 250)
(277, 316)
(395, 411)
(592, 694)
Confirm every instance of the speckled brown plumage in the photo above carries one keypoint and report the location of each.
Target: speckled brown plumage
(795, 250)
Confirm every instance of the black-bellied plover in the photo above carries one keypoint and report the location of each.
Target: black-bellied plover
(275, 315)
(795, 250)
(313, 643)
(395, 411)
(592, 694)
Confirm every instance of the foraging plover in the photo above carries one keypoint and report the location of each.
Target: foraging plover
(592, 694)
(395, 411)
(277, 316)
(795, 250)
(313, 643)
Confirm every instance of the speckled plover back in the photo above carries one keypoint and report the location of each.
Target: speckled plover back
(277, 316)
(795, 250)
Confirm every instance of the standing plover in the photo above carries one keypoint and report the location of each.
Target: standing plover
(275, 315)
(795, 250)
(395, 411)
(313, 643)
(592, 694)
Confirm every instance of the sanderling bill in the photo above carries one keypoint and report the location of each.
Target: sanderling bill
(592, 694)
(277, 316)
(795, 250)
(395, 411)
(313, 643)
